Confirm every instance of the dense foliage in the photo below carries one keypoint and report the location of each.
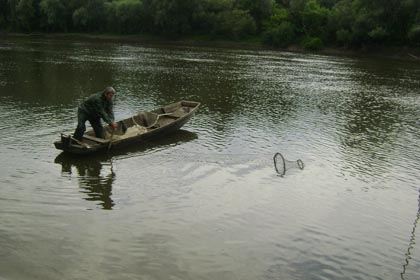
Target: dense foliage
(312, 23)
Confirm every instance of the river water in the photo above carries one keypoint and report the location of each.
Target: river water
(206, 202)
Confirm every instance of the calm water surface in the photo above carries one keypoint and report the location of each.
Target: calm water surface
(206, 202)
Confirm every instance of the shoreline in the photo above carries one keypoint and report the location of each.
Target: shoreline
(404, 52)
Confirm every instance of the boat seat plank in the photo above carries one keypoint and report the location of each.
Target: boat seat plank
(95, 139)
(176, 114)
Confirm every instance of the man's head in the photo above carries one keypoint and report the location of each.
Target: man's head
(109, 92)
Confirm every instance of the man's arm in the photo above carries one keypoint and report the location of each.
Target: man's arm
(108, 116)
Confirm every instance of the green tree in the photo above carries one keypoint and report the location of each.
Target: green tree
(96, 15)
(314, 18)
(328, 3)
(234, 24)
(340, 23)
(80, 19)
(414, 34)
(205, 15)
(364, 22)
(280, 35)
(11, 14)
(283, 4)
(90, 16)
(169, 17)
(379, 21)
(26, 15)
(353, 23)
(3, 14)
(260, 10)
(409, 14)
(278, 30)
(53, 14)
(125, 16)
(312, 43)
(296, 8)
(387, 20)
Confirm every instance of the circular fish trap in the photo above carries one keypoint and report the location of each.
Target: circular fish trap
(281, 164)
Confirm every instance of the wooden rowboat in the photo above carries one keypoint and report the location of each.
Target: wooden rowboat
(136, 129)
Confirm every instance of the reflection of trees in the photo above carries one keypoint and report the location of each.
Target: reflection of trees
(370, 127)
(206, 76)
(55, 72)
(231, 85)
(412, 242)
(375, 112)
(370, 120)
(96, 185)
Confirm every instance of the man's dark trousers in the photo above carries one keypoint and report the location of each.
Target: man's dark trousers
(82, 117)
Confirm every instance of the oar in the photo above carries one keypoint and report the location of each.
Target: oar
(123, 128)
(110, 140)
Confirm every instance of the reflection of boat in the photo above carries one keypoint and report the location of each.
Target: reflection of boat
(176, 138)
(138, 128)
(95, 174)
(93, 179)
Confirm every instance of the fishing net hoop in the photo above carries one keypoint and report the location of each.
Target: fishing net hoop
(281, 164)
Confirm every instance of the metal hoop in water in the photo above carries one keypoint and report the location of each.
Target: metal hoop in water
(281, 164)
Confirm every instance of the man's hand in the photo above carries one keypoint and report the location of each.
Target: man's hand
(114, 125)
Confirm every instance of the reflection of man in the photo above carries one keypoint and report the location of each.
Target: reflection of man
(98, 106)
(96, 186)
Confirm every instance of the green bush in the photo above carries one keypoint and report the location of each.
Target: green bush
(314, 18)
(53, 13)
(235, 24)
(125, 16)
(80, 18)
(312, 43)
(378, 34)
(344, 37)
(281, 35)
(26, 15)
(414, 34)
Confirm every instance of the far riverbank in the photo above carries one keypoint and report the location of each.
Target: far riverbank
(397, 52)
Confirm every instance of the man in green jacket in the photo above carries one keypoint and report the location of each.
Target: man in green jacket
(98, 106)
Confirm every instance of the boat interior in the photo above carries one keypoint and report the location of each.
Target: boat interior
(140, 123)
